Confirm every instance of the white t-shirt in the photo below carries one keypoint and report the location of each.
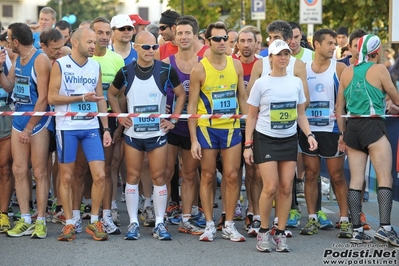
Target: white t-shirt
(277, 98)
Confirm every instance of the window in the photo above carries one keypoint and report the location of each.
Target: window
(7, 11)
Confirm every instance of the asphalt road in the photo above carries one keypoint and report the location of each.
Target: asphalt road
(187, 250)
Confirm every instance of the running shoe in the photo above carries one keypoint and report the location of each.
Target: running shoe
(96, 230)
(300, 189)
(293, 219)
(287, 232)
(109, 226)
(366, 196)
(123, 197)
(141, 205)
(161, 232)
(263, 242)
(175, 220)
(324, 222)
(248, 221)
(148, 216)
(133, 232)
(21, 229)
(209, 233)
(199, 219)
(311, 227)
(281, 243)
(87, 212)
(387, 236)
(221, 222)
(59, 217)
(238, 213)
(33, 214)
(363, 222)
(254, 229)
(173, 210)
(115, 217)
(190, 227)
(345, 230)
(10, 211)
(68, 233)
(40, 231)
(230, 232)
(78, 224)
(360, 237)
(4, 223)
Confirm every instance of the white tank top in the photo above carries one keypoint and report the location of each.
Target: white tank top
(144, 96)
(77, 80)
(323, 88)
(267, 69)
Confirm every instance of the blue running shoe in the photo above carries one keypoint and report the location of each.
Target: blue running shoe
(175, 220)
(200, 221)
(133, 232)
(323, 220)
(293, 219)
(161, 232)
(387, 236)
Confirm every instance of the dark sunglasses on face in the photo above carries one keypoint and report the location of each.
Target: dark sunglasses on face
(125, 28)
(219, 38)
(148, 47)
(162, 28)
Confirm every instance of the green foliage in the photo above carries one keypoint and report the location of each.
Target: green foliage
(373, 16)
(85, 9)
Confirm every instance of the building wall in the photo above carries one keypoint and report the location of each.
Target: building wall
(155, 8)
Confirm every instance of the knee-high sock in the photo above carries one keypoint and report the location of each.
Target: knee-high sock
(384, 196)
(132, 201)
(160, 198)
(354, 202)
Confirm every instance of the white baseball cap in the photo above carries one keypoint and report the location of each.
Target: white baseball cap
(277, 46)
(120, 21)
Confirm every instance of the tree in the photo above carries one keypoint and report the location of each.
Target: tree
(85, 9)
(370, 15)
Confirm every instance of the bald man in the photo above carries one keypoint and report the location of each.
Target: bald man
(69, 90)
(146, 93)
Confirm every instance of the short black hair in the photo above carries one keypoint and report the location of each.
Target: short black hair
(21, 32)
(50, 35)
(280, 26)
(319, 35)
(358, 33)
(216, 25)
(295, 25)
(193, 22)
(63, 25)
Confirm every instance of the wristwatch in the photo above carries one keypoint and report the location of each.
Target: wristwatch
(312, 135)
(107, 129)
(173, 121)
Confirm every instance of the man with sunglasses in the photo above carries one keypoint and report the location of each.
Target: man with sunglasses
(144, 85)
(217, 87)
(123, 30)
(167, 28)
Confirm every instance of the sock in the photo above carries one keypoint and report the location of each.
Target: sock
(275, 221)
(228, 223)
(313, 216)
(210, 223)
(132, 201)
(358, 229)
(27, 217)
(88, 201)
(75, 214)
(354, 201)
(113, 205)
(160, 196)
(124, 187)
(256, 218)
(147, 202)
(280, 232)
(384, 196)
(344, 219)
(42, 219)
(263, 230)
(93, 218)
(186, 217)
(250, 213)
(106, 213)
(70, 221)
(194, 210)
(387, 227)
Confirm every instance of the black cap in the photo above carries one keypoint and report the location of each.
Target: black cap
(342, 31)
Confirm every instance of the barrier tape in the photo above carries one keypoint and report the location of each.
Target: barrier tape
(183, 116)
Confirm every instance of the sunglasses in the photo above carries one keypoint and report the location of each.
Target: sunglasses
(148, 47)
(7, 40)
(125, 28)
(162, 28)
(219, 38)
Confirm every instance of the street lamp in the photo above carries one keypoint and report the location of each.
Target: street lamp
(60, 9)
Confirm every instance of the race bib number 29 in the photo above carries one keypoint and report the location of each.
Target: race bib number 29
(282, 115)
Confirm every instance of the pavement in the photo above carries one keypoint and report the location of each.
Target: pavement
(323, 248)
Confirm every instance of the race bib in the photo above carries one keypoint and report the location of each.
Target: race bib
(85, 107)
(146, 124)
(3, 97)
(282, 115)
(318, 108)
(224, 102)
(22, 89)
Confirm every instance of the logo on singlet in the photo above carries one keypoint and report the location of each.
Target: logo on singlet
(319, 87)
